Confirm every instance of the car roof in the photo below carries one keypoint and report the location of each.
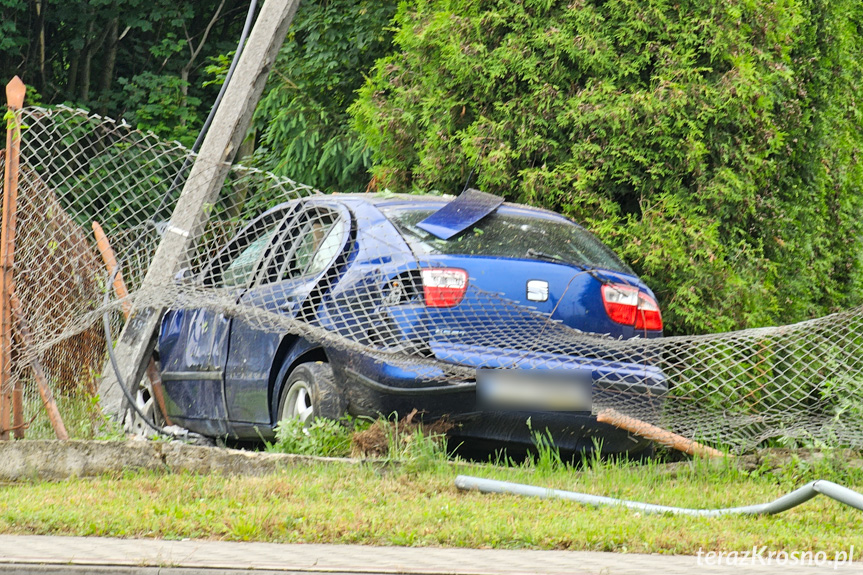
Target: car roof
(386, 200)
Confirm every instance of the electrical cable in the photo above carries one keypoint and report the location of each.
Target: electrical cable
(106, 320)
(209, 121)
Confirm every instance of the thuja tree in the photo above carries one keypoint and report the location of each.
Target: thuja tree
(715, 144)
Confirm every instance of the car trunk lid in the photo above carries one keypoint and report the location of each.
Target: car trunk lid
(567, 293)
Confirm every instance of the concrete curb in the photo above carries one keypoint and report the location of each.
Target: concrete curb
(55, 460)
(27, 569)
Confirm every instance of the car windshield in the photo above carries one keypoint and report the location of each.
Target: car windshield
(510, 235)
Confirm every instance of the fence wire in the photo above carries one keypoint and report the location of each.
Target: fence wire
(360, 276)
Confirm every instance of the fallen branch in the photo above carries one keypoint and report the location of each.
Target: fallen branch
(657, 434)
(122, 294)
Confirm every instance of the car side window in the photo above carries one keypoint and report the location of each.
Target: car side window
(308, 246)
(328, 247)
(233, 266)
(239, 271)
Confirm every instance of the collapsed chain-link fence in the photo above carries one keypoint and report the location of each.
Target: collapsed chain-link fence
(403, 311)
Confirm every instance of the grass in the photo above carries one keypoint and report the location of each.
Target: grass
(418, 505)
(322, 437)
(413, 445)
(406, 496)
(80, 412)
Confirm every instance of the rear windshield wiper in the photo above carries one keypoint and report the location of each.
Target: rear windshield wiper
(551, 257)
(542, 255)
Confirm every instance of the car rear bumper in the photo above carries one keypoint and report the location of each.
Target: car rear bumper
(375, 388)
(572, 433)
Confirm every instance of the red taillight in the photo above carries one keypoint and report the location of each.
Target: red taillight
(627, 305)
(621, 303)
(444, 287)
(648, 316)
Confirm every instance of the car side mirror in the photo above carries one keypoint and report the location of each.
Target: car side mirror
(184, 277)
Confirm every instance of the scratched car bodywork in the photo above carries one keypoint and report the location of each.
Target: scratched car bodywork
(224, 376)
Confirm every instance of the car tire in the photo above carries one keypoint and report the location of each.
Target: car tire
(146, 402)
(310, 392)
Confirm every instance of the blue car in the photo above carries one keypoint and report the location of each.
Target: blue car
(483, 312)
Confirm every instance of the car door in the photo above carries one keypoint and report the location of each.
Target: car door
(301, 268)
(193, 343)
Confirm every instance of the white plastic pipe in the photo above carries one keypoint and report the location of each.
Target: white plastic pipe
(793, 499)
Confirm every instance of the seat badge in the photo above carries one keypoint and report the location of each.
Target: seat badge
(537, 290)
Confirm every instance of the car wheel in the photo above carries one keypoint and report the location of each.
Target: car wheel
(146, 402)
(311, 392)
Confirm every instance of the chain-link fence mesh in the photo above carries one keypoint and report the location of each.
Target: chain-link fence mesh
(405, 314)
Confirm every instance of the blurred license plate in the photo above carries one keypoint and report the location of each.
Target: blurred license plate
(533, 389)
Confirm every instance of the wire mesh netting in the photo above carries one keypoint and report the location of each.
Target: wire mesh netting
(405, 301)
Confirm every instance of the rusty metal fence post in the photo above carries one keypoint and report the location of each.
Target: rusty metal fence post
(26, 341)
(11, 395)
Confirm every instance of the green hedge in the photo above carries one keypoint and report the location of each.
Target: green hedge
(715, 144)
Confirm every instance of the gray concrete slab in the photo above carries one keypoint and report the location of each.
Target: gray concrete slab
(55, 460)
(28, 554)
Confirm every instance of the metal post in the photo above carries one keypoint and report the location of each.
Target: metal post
(15, 91)
(26, 342)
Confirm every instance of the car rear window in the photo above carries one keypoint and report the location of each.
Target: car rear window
(510, 235)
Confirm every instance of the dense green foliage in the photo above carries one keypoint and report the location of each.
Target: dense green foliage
(159, 63)
(714, 144)
(142, 60)
(302, 120)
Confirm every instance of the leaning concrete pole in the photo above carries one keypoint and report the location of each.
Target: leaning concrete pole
(230, 124)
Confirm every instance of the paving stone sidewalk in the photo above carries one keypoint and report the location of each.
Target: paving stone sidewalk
(25, 553)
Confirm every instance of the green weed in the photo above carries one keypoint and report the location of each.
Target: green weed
(323, 437)
(547, 459)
